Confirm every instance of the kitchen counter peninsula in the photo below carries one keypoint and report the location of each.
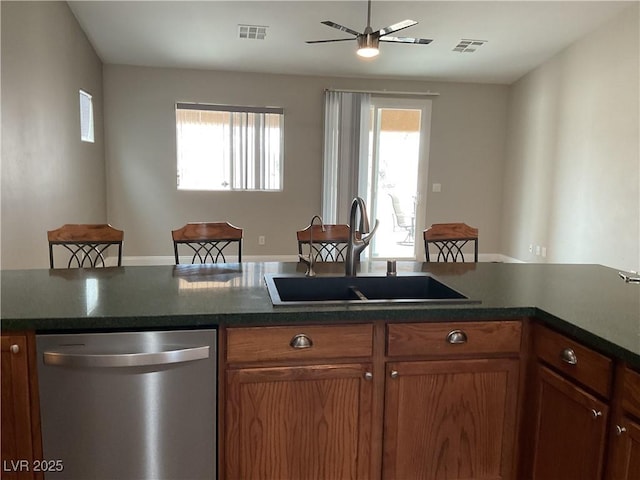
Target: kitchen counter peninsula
(588, 302)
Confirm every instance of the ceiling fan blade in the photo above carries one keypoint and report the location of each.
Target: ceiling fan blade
(397, 26)
(332, 40)
(420, 41)
(340, 27)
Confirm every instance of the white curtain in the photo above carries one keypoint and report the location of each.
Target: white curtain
(345, 153)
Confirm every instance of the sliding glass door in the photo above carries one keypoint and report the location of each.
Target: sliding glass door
(396, 176)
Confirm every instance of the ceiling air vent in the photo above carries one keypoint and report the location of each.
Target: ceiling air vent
(253, 32)
(468, 46)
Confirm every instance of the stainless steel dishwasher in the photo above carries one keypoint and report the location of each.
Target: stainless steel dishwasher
(133, 405)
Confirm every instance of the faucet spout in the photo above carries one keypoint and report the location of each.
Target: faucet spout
(358, 241)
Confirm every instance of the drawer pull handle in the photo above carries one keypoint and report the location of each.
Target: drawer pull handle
(15, 348)
(569, 356)
(301, 341)
(595, 413)
(457, 337)
(620, 430)
(368, 376)
(394, 374)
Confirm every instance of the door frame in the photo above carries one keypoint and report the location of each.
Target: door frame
(368, 175)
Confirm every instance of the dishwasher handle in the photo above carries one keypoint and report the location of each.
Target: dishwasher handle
(67, 359)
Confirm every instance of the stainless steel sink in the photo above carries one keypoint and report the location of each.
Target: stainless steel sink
(300, 290)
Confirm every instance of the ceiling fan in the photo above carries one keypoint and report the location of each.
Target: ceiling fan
(368, 40)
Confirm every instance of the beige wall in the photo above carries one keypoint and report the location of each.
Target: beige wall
(572, 177)
(467, 143)
(49, 177)
(567, 180)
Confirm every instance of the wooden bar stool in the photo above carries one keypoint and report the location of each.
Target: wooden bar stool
(328, 245)
(207, 241)
(85, 243)
(449, 239)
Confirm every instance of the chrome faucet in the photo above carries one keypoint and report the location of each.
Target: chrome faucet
(357, 243)
(308, 261)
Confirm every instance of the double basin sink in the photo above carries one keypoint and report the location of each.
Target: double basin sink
(297, 290)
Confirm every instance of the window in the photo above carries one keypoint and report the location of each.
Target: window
(229, 148)
(86, 117)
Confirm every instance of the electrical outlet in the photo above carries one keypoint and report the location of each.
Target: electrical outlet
(537, 250)
(262, 240)
(436, 188)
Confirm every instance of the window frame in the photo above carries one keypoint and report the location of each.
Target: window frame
(87, 117)
(247, 163)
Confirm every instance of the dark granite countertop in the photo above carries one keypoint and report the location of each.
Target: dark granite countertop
(589, 302)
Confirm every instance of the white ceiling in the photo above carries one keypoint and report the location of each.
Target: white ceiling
(204, 35)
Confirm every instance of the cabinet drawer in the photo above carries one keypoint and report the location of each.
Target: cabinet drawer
(578, 362)
(453, 338)
(631, 392)
(255, 344)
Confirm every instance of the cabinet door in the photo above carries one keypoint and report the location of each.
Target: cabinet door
(297, 423)
(625, 451)
(450, 419)
(624, 435)
(569, 431)
(18, 446)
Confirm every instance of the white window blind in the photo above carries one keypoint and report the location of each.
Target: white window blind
(86, 117)
(222, 147)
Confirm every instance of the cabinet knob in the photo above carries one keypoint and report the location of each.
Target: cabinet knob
(595, 413)
(620, 430)
(15, 348)
(301, 341)
(368, 376)
(394, 374)
(569, 356)
(456, 337)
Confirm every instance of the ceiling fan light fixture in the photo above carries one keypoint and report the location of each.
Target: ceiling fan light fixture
(368, 52)
(368, 40)
(368, 46)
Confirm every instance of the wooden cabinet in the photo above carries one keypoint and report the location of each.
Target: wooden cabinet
(624, 457)
(450, 403)
(21, 443)
(570, 430)
(298, 403)
(429, 401)
(626, 450)
(571, 390)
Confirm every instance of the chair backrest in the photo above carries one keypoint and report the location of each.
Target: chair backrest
(207, 240)
(403, 216)
(449, 239)
(85, 243)
(329, 245)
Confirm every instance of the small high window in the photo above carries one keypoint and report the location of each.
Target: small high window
(86, 117)
(221, 147)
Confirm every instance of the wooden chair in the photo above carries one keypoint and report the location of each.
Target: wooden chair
(329, 245)
(449, 239)
(86, 244)
(207, 240)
